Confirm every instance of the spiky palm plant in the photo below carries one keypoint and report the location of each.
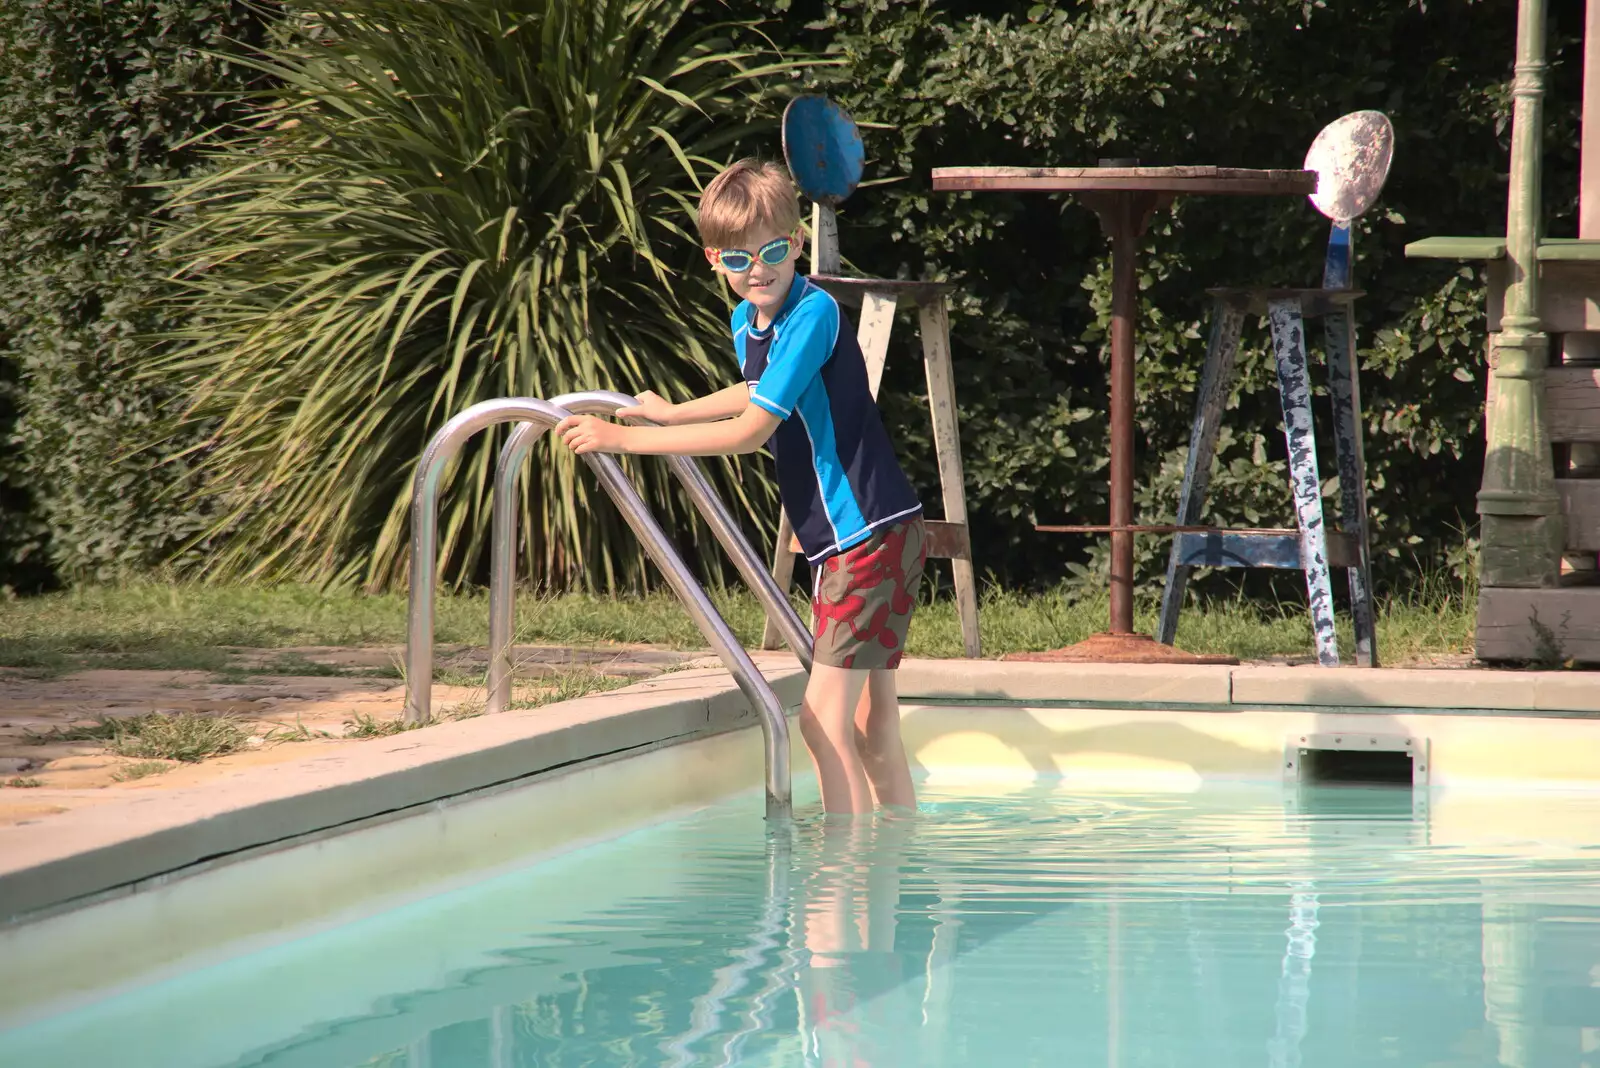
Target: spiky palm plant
(445, 202)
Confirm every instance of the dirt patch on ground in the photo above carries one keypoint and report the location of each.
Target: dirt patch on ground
(343, 697)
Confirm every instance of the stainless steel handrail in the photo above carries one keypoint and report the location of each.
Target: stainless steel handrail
(503, 542)
(424, 548)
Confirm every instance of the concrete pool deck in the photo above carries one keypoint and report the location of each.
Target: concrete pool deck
(72, 856)
(544, 771)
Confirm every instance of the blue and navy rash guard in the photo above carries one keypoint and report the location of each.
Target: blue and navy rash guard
(837, 472)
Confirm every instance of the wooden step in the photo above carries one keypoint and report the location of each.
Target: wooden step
(1572, 403)
(1580, 502)
(1551, 626)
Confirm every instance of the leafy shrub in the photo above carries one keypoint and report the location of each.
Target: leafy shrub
(324, 404)
(455, 201)
(99, 104)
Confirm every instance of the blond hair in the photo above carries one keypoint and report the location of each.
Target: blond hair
(750, 194)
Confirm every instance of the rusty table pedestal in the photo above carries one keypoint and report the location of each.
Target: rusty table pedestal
(1124, 198)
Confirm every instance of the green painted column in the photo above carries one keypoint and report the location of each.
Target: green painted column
(1521, 517)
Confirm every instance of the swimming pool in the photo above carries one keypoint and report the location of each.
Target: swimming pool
(1021, 925)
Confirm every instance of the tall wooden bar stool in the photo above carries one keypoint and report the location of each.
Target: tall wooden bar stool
(825, 156)
(1351, 157)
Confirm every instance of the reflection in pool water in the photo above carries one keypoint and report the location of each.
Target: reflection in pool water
(1218, 928)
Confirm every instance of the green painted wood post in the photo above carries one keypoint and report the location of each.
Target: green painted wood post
(1521, 516)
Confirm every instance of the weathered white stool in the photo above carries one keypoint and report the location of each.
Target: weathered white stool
(1351, 157)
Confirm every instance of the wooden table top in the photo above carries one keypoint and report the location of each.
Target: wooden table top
(1214, 180)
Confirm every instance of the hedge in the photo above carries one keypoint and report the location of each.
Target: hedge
(1237, 82)
(100, 106)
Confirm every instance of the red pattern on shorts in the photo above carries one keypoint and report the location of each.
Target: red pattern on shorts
(869, 570)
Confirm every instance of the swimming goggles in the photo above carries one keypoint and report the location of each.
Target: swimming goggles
(738, 261)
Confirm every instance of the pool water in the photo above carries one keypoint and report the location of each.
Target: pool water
(1245, 926)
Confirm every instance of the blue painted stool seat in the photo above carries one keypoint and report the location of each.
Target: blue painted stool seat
(823, 148)
(1257, 548)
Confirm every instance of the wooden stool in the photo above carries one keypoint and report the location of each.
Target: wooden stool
(823, 149)
(877, 299)
(1310, 547)
(947, 538)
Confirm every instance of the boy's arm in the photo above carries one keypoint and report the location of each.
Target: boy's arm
(723, 404)
(720, 405)
(727, 437)
(795, 361)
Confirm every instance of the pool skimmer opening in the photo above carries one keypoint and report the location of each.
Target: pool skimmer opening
(1360, 785)
(1356, 758)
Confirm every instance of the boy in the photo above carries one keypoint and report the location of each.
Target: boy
(856, 515)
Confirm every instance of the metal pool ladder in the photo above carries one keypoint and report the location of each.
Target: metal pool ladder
(536, 417)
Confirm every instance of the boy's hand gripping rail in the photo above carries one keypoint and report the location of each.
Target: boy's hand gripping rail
(424, 547)
(503, 543)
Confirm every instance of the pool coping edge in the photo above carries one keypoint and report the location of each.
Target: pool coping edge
(1222, 688)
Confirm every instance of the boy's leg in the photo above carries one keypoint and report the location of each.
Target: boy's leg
(862, 600)
(883, 754)
(827, 723)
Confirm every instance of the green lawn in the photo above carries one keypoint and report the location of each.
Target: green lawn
(192, 626)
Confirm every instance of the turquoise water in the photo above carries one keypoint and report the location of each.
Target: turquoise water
(1243, 927)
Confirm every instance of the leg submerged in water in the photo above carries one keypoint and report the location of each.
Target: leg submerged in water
(883, 753)
(863, 600)
(827, 723)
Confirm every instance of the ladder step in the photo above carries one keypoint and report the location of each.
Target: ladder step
(1258, 548)
(946, 541)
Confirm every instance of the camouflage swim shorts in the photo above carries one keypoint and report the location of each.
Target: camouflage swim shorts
(862, 599)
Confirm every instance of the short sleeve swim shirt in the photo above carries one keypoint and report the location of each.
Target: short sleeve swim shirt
(838, 474)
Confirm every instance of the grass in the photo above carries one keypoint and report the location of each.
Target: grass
(568, 686)
(183, 736)
(366, 725)
(140, 770)
(192, 626)
(444, 676)
(563, 686)
(282, 732)
(23, 784)
(102, 729)
(302, 666)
